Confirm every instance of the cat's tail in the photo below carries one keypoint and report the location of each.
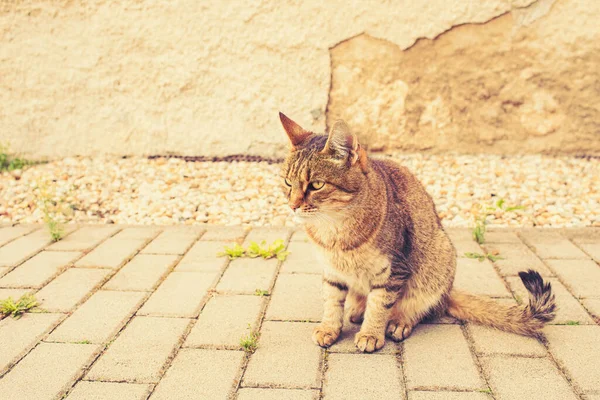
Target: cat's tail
(523, 320)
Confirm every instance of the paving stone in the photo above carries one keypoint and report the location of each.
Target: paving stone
(109, 391)
(303, 258)
(501, 236)
(39, 269)
(296, 297)
(517, 378)
(23, 248)
(200, 374)
(447, 396)
(592, 305)
(85, 238)
(460, 234)
(479, 277)
(113, 253)
(180, 295)
(13, 293)
(577, 348)
(581, 276)
(360, 376)
(224, 320)
(203, 257)
(516, 258)
(466, 246)
(143, 272)
(224, 234)
(268, 234)
(69, 288)
(99, 318)
(172, 242)
(10, 233)
(593, 249)
(3, 270)
(18, 336)
(141, 351)
(139, 232)
(568, 308)
(47, 371)
(345, 343)
(489, 341)
(550, 244)
(286, 357)
(245, 275)
(277, 394)
(443, 349)
(300, 236)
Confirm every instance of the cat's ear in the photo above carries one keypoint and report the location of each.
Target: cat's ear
(342, 143)
(294, 131)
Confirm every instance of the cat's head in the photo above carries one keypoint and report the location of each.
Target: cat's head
(323, 175)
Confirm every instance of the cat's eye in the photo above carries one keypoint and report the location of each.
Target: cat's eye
(316, 185)
(287, 182)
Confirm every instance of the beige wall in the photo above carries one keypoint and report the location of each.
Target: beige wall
(208, 77)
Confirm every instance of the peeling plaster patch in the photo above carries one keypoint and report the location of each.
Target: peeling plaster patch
(478, 87)
(527, 15)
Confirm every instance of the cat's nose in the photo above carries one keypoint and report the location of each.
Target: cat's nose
(295, 204)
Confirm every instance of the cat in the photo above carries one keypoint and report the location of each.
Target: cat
(389, 261)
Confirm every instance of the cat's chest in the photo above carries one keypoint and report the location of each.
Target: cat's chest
(358, 269)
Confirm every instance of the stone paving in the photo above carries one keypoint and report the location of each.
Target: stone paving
(153, 313)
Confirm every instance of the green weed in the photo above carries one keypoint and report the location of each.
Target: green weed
(233, 252)
(10, 163)
(255, 250)
(83, 342)
(481, 257)
(277, 249)
(261, 293)
(16, 309)
(572, 323)
(481, 214)
(249, 343)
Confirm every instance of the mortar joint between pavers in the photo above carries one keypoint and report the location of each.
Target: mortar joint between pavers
(262, 315)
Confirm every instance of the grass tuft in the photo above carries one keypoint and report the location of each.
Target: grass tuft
(572, 323)
(481, 257)
(233, 252)
(255, 250)
(11, 163)
(25, 303)
(249, 343)
(261, 293)
(481, 214)
(277, 249)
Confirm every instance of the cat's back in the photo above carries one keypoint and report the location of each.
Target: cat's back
(400, 181)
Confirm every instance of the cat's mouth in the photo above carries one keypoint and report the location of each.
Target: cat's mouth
(301, 216)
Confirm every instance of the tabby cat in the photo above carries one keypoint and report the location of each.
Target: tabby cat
(388, 259)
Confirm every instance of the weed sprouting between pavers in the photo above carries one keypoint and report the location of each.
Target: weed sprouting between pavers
(481, 214)
(25, 303)
(261, 293)
(255, 250)
(249, 343)
(481, 257)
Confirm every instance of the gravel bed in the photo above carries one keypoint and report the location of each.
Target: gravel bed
(553, 191)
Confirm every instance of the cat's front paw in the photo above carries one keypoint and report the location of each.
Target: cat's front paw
(368, 342)
(325, 336)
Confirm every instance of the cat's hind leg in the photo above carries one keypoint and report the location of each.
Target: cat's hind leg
(410, 309)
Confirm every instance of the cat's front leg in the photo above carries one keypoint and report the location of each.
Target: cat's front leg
(380, 300)
(334, 294)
